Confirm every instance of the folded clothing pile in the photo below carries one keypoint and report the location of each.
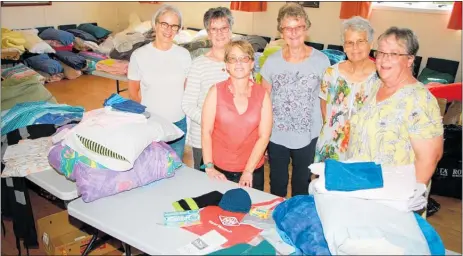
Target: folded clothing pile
(44, 63)
(58, 39)
(120, 103)
(102, 165)
(392, 186)
(112, 66)
(28, 113)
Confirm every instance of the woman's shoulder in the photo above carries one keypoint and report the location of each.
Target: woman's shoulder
(276, 56)
(181, 50)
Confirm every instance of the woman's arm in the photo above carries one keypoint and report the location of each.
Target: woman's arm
(134, 91)
(428, 152)
(265, 130)
(207, 124)
(267, 85)
(191, 95)
(323, 108)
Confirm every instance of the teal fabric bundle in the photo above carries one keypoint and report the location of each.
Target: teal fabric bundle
(334, 56)
(352, 176)
(264, 248)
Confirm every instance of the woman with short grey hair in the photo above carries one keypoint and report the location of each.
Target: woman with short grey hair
(165, 9)
(400, 123)
(293, 77)
(345, 87)
(206, 70)
(157, 72)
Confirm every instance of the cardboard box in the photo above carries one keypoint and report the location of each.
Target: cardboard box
(61, 235)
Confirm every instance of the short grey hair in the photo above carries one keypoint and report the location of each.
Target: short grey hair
(165, 8)
(218, 13)
(404, 36)
(292, 10)
(357, 24)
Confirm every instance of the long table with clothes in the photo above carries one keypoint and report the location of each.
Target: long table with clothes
(30, 121)
(168, 208)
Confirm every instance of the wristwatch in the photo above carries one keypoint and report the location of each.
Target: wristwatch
(208, 165)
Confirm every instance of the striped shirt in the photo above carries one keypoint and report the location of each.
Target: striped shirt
(204, 73)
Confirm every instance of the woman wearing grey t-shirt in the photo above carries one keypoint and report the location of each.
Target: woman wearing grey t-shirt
(293, 76)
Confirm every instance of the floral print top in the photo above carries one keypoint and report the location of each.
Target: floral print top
(382, 131)
(343, 99)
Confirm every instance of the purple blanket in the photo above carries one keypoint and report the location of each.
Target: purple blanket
(94, 181)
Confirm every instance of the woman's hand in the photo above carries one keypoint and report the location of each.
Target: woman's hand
(214, 174)
(246, 179)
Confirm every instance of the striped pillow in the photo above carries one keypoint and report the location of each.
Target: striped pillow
(99, 149)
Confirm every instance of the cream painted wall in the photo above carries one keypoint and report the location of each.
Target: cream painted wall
(60, 13)
(435, 39)
(431, 28)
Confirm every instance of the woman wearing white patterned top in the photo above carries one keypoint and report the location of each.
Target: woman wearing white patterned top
(206, 71)
(345, 87)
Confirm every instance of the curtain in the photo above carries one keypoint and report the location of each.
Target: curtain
(455, 17)
(349, 9)
(248, 6)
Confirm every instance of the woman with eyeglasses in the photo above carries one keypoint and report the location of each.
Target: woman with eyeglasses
(344, 89)
(400, 124)
(157, 72)
(206, 70)
(236, 122)
(293, 76)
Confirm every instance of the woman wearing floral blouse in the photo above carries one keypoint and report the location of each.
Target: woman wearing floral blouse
(345, 86)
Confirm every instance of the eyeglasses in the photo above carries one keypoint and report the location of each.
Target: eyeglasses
(391, 55)
(297, 29)
(219, 30)
(165, 25)
(359, 43)
(242, 59)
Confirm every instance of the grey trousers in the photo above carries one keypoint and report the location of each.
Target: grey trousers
(197, 157)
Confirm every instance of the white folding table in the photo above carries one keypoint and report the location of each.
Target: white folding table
(114, 77)
(56, 184)
(133, 217)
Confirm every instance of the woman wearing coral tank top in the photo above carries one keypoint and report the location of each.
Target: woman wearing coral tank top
(236, 122)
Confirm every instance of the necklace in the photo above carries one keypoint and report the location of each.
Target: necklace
(222, 62)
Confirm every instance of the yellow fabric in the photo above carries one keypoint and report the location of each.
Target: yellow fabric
(191, 203)
(31, 40)
(177, 207)
(107, 62)
(13, 39)
(382, 132)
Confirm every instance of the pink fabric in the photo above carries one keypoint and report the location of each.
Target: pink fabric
(58, 46)
(112, 66)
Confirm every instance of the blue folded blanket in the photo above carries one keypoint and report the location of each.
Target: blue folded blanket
(64, 37)
(44, 63)
(122, 104)
(352, 176)
(82, 35)
(298, 224)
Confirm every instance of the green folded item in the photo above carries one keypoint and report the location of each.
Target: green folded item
(431, 76)
(28, 91)
(264, 248)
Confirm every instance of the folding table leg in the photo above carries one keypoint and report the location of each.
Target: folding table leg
(128, 250)
(90, 244)
(95, 242)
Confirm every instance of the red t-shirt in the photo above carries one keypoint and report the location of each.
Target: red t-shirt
(228, 223)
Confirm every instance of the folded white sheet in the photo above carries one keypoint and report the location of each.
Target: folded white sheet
(399, 184)
(354, 226)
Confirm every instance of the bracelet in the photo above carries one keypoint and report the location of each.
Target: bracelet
(208, 165)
